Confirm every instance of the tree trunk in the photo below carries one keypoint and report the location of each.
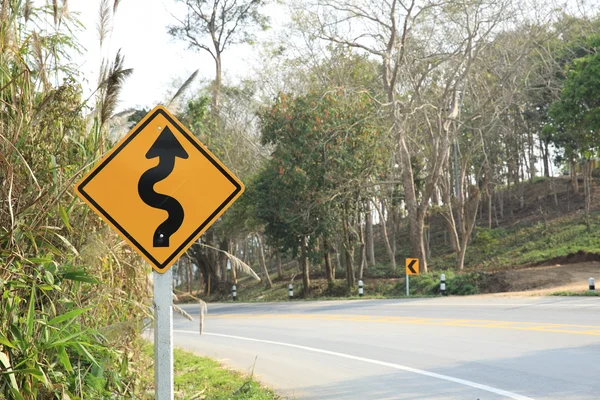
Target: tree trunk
(263, 263)
(216, 92)
(363, 251)
(222, 257)
(305, 266)
(490, 195)
(416, 218)
(348, 245)
(587, 173)
(350, 278)
(246, 258)
(369, 236)
(386, 239)
(574, 182)
(545, 157)
(188, 265)
(531, 151)
(234, 250)
(279, 267)
(329, 269)
(469, 213)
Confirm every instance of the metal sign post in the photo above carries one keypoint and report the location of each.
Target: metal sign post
(407, 285)
(163, 334)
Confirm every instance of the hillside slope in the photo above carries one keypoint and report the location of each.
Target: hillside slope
(540, 242)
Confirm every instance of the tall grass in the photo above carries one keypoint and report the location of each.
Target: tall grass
(71, 298)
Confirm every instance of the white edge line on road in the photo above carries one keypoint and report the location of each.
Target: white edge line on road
(507, 305)
(464, 382)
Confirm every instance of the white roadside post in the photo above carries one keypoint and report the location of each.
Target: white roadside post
(592, 285)
(360, 288)
(234, 293)
(291, 291)
(163, 334)
(443, 284)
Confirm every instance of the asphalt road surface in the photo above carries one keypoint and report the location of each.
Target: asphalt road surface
(445, 348)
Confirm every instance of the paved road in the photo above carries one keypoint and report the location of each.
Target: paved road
(452, 348)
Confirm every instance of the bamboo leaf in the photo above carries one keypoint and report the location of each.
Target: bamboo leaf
(15, 394)
(67, 243)
(38, 260)
(88, 354)
(64, 358)
(30, 310)
(182, 312)
(71, 314)
(4, 340)
(79, 275)
(31, 371)
(65, 218)
(6, 362)
(184, 87)
(66, 340)
(236, 263)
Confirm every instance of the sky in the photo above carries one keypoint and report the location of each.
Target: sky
(161, 64)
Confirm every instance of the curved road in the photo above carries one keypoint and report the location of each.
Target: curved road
(450, 348)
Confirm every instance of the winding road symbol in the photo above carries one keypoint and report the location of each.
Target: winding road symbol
(166, 148)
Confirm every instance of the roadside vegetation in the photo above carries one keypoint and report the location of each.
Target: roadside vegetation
(73, 297)
(199, 378)
(585, 294)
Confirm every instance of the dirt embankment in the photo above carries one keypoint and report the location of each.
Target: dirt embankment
(570, 273)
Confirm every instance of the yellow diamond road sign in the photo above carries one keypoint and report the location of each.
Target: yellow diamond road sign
(159, 188)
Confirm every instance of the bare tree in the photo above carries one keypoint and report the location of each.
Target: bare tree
(215, 25)
(417, 43)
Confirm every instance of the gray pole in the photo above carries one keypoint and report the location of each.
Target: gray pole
(407, 284)
(163, 335)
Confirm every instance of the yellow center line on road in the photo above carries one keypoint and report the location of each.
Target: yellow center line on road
(590, 330)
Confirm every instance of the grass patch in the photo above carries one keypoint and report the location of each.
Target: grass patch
(532, 244)
(202, 378)
(568, 293)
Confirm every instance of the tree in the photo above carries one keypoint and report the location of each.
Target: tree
(326, 148)
(213, 26)
(416, 43)
(575, 115)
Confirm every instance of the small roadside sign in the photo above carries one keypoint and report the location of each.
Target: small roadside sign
(412, 266)
(159, 188)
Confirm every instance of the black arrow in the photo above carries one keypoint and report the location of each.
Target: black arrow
(166, 148)
(410, 266)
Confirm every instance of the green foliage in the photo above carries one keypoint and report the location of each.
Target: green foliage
(486, 240)
(576, 115)
(325, 146)
(195, 116)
